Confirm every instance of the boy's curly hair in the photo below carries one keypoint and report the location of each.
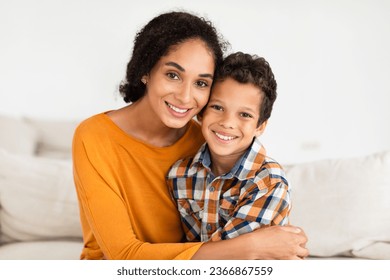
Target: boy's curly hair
(155, 40)
(246, 68)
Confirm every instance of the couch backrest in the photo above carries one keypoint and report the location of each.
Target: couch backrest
(33, 136)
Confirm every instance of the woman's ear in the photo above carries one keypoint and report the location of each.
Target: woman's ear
(144, 79)
(260, 129)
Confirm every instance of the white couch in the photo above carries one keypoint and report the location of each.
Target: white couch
(343, 204)
(39, 216)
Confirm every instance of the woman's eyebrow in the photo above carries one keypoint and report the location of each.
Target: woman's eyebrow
(206, 76)
(174, 64)
(180, 68)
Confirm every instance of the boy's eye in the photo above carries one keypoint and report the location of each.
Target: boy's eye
(217, 107)
(173, 75)
(246, 115)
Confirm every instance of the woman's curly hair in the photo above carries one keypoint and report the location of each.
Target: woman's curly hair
(245, 68)
(156, 38)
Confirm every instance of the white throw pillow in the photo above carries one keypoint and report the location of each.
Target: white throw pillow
(343, 204)
(38, 199)
(17, 136)
(54, 137)
(376, 250)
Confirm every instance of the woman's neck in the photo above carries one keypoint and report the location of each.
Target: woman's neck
(146, 127)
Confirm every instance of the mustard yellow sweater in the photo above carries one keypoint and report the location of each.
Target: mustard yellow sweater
(125, 208)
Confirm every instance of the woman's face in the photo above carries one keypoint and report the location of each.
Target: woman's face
(178, 86)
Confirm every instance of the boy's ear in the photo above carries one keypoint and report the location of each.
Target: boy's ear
(260, 129)
(199, 117)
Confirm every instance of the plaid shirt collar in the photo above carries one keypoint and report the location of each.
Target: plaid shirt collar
(245, 168)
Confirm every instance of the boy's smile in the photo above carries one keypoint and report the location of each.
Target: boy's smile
(230, 120)
(224, 137)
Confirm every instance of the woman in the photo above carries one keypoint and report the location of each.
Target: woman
(121, 157)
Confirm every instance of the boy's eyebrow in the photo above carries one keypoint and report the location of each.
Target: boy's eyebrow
(222, 102)
(180, 68)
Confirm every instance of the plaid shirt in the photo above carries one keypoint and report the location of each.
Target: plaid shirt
(254, 193)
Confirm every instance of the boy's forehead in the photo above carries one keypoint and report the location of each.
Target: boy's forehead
(230, 84)
(236, 93)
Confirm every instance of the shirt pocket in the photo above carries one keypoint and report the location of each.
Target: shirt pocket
(191, 207)
(226, 208)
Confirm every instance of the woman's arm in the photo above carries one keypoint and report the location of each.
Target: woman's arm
(269, 243)
(106, 221)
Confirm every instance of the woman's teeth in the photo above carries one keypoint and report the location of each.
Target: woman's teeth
(178, 110)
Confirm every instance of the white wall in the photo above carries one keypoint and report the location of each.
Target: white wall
(65, 60)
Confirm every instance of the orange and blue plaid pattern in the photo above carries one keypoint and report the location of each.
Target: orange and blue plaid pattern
(255, 193)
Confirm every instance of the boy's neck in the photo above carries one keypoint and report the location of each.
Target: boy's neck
(222, 164)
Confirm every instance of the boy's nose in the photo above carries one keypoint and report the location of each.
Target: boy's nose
(227, 121)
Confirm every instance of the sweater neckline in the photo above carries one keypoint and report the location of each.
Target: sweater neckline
(128, 137)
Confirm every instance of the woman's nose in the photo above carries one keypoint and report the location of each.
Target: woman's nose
(184, 93)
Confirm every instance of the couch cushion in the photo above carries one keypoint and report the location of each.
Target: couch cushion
(17, 136)
(42, 250)
(54, 137)
(38, 199)
(343, 205)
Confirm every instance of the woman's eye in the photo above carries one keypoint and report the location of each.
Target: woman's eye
(246, 115)
(173, 76)
(201, 84)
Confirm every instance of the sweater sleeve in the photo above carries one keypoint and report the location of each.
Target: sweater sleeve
(106, 223)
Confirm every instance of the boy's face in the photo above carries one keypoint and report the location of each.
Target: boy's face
(230, 119)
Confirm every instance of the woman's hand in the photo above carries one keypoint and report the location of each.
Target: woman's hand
(267, 243)
(281, 243)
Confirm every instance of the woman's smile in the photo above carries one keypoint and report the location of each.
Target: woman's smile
(177, 109)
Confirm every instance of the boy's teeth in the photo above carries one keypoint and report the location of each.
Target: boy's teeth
(177, 109)
(224, 137)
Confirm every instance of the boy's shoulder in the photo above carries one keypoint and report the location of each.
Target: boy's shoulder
(258, 163)
(270, 170)
(272, 165)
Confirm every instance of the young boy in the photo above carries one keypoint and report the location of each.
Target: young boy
(231, 187)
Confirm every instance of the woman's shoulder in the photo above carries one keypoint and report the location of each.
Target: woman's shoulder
(194, 132)
(194, 127)
(93, 125)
